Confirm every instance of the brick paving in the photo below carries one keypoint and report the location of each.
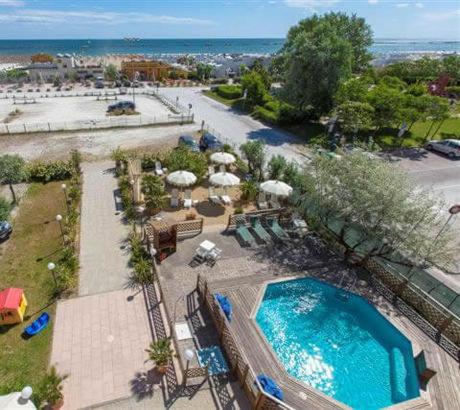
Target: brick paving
(100, 341)
(103, 258)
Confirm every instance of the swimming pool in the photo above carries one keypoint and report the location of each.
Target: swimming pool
(338, 343)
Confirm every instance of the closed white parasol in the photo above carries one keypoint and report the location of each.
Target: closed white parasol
(181, 178)
(224, 179)
(223, 158)
(274, 187)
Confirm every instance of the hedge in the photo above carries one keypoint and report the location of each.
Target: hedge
(265, 115)
(230, 92)
(40, 171)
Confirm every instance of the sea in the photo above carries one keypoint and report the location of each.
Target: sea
(156, 47)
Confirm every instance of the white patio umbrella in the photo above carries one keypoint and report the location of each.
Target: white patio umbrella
(181, 178)
(274, 187)
(223, 158)
(224, 179)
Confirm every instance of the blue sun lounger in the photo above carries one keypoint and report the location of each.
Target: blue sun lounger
(37, 325)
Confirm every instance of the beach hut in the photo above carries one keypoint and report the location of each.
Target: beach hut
(13, 305)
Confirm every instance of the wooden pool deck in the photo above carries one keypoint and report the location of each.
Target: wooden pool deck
(242, 275)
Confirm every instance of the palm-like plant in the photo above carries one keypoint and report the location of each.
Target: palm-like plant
(161, 353)
(50, 388)
(153, 189)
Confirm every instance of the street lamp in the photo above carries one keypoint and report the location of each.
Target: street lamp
(59, 220)
(140, 210)
(26, 394)
(64, 188)
(189, 355)
(51, 267)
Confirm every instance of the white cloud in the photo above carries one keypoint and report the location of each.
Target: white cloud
(12, 3)
(419, 5)
(373, 1)
(310, 4)
(402, 5)
(441, 16)
(90, 17)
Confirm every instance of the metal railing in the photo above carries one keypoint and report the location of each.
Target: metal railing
(103, 123)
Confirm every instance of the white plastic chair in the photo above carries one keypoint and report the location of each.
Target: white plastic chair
(212, 196)
(158, 169)
(262, 201)
(188, 198)
(225, 198)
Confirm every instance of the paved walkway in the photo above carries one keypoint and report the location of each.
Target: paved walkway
(100, 341)
(103, 261)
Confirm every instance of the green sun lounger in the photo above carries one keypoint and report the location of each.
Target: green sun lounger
(260, 230)
(244, 234)
(276, 229)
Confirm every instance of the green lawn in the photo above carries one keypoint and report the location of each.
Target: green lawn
(35, 242)
(217, 97)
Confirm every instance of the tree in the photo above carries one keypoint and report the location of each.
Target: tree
(354, 89)
(352, 29)
(203, 71)
(276, 166)
(12, 171)
(5, 209)
(387, 103)
(153, 189)
(15, 74)
(183, 159)
(438, 110)
(49, 391)
(317, 62)
(258, 67)
(255, 88)
(374, 208)
(355, 116)
(111, 72)
(254, 152)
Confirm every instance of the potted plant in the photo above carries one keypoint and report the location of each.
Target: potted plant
(50, 390)
(160, 353)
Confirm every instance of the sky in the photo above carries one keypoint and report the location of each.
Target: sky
(81, 19)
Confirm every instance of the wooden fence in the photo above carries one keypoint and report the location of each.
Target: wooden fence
(239, 364)
(187, 229)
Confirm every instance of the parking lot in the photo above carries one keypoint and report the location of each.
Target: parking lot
(58, 109)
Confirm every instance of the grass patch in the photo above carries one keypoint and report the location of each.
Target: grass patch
(416, 137)
(230, 103)
(36, 241)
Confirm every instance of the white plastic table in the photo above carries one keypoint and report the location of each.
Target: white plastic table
(207, 246)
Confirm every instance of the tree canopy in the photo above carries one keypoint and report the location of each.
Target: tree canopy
(374, 208)
(12, 171)
(254, 152)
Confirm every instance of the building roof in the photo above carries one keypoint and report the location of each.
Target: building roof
(10, 298)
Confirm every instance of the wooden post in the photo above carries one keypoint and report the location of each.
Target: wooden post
(260, 401)
(245, 375)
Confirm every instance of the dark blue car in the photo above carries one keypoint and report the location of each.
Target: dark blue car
(189, 142)
(5, 230)
(210, 142)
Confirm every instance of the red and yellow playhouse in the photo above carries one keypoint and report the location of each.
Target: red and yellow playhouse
(13, 305)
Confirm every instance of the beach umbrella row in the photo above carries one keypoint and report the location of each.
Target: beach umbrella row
(274, 187)
(181, 178)
(223, 158)
(224, 179)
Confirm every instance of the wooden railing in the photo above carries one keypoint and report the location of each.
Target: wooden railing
(187, 229)
(245, 218)
(239, 364)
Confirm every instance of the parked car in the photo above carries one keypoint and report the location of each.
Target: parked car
(99, 84)
(121, 105)
(210, 142)
(189, 142)
(449, 147)
(5, 230)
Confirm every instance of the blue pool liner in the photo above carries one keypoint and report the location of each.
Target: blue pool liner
(225, 305)
(212, 357)
(269, 386)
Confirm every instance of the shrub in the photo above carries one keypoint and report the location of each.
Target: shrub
(183, 159)
(148, 160)
(248, 191)
(49, 391)
(265, 115)
(230, 92)
(238, 210)
(40, 171)
(288, 114)
(276, 166)
(242, 166)
(5, 209)
(153, 188)
(454, 89)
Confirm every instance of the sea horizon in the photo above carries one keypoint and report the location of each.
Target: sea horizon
(206, 46)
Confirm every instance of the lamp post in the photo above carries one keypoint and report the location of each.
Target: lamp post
(59, 220)
(189, 355)
(64, 189)
(26, 394)
(140, 210)
(51, 267)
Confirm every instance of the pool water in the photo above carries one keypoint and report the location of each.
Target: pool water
(338, 343)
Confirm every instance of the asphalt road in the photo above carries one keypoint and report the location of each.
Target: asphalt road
(235, 127)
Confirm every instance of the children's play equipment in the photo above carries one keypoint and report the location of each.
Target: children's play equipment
(37, 325)
(13, 305)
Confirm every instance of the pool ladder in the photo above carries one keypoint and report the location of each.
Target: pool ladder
(344, 293)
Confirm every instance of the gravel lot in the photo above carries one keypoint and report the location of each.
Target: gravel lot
(58, 109)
